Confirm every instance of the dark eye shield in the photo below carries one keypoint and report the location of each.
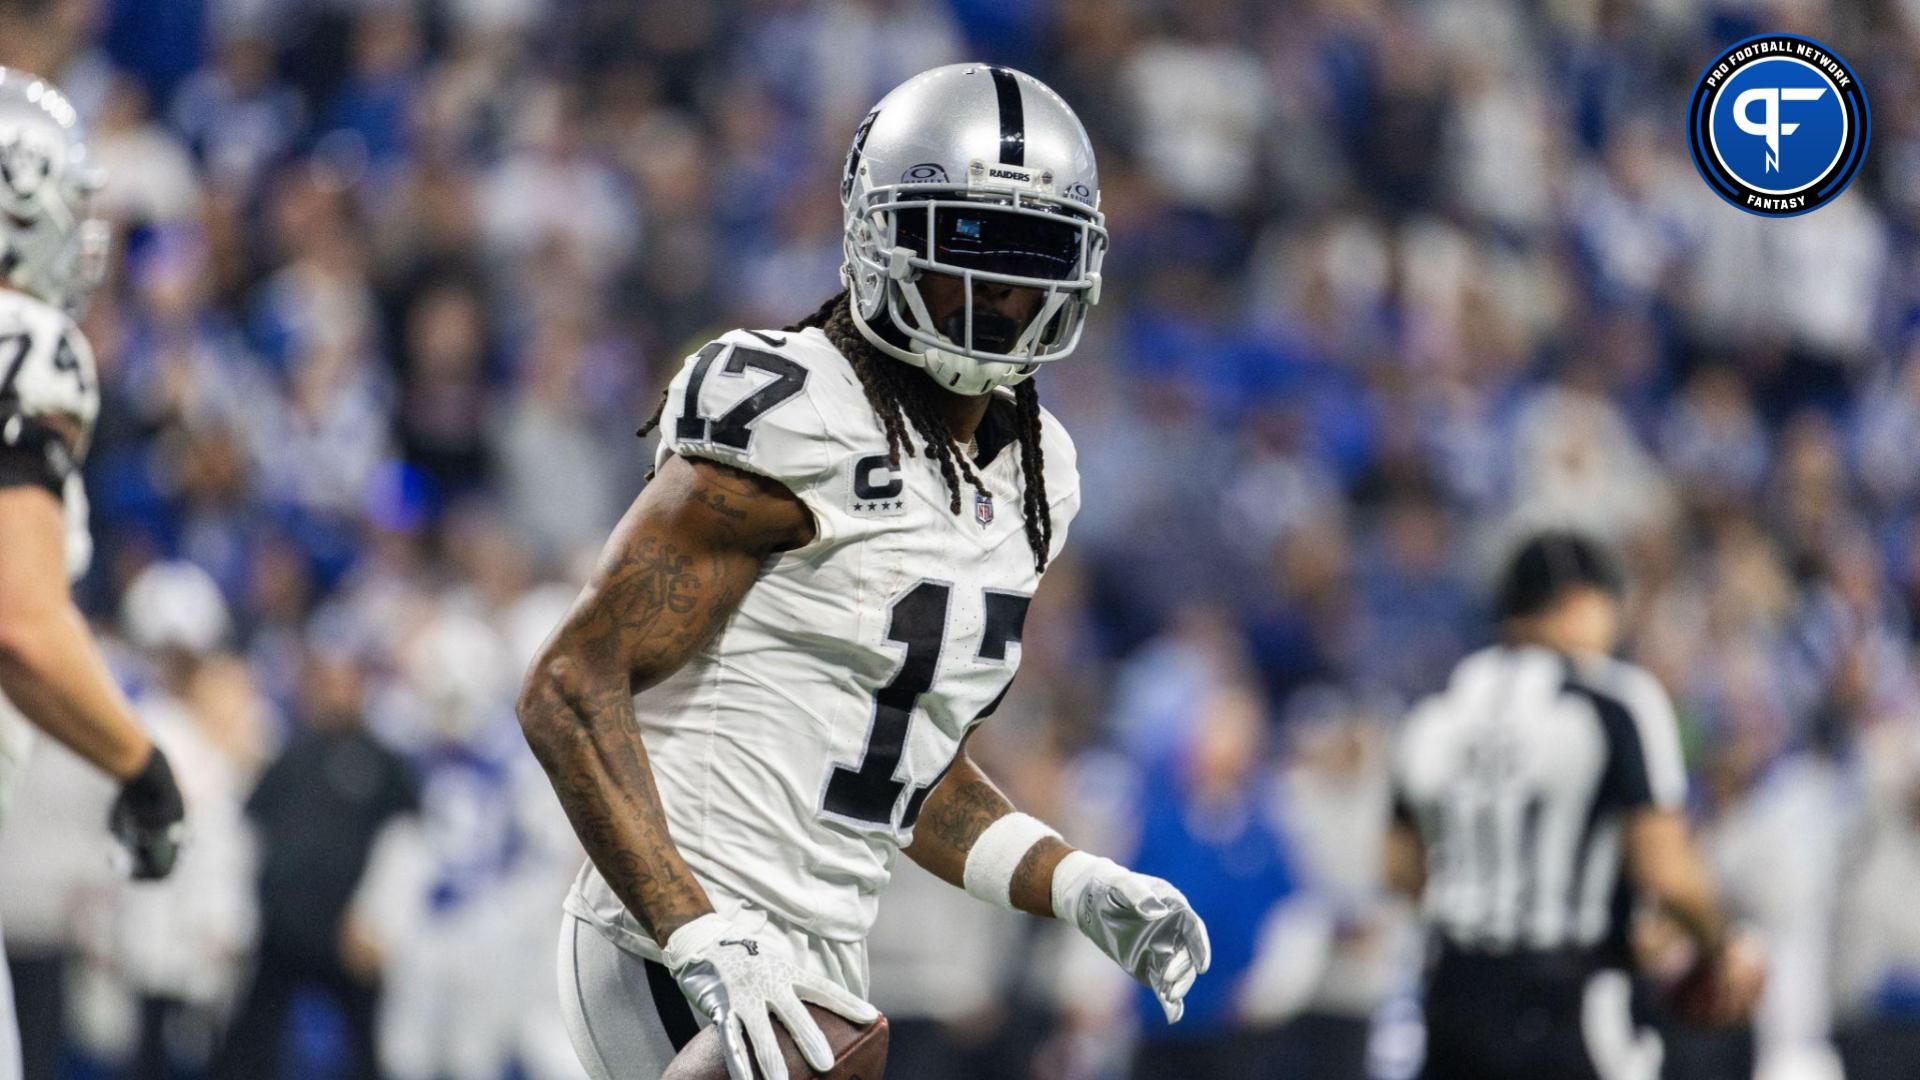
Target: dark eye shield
(986, 239)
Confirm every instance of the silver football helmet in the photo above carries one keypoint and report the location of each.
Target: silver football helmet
(51, 245)
(985, 174)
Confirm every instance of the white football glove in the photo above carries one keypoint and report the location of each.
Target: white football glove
(741, 975)
(1142, 922)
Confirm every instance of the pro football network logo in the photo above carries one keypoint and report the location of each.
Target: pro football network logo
(1778, 125)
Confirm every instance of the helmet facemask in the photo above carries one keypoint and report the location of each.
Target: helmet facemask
(1004, 236)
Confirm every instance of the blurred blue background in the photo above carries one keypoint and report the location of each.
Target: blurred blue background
(1390, 281)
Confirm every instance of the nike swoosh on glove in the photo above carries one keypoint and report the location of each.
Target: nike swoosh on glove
(1142, 922)
(742, 975)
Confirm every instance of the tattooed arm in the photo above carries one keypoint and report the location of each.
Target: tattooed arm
(957, 811)
(676, 567)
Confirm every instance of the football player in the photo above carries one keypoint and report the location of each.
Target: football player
(52, 254)
(820, 595)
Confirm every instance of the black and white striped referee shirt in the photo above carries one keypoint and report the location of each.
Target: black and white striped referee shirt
(1519, 778)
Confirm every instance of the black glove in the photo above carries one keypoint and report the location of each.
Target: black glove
(147, 819)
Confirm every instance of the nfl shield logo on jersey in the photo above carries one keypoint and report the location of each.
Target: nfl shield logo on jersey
(983, 508)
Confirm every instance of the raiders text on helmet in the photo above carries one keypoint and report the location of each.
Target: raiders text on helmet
(983, 173)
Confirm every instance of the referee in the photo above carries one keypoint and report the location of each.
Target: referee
(1536, 799)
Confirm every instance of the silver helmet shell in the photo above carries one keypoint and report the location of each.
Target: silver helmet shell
(962, 145)
(51, 244)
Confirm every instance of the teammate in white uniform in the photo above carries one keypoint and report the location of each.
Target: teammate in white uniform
(819, 596)
(51, 674)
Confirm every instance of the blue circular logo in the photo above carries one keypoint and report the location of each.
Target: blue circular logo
(1779, 125)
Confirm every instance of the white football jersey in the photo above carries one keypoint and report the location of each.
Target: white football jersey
(46, 370)
(794, 751)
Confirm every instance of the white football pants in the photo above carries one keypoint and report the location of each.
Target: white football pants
(626, 1015)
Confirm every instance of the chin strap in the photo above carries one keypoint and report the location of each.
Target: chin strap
(954, 372)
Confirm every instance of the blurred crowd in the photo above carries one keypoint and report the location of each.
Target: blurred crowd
(1390, 281)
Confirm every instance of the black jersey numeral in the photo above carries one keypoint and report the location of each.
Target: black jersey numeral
(918, 620)
(691, 425)
(1006, 615)
(734, 428)
(67, 360)
(22, 345)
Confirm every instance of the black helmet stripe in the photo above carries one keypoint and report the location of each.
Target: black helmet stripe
(1013, 118)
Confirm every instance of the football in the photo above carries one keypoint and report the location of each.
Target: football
(859, 1053)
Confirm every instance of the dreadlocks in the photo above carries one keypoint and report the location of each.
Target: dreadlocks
(903, 399)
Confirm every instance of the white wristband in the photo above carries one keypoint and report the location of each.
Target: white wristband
(1070, 880)
(997, 854)
(692, 939)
